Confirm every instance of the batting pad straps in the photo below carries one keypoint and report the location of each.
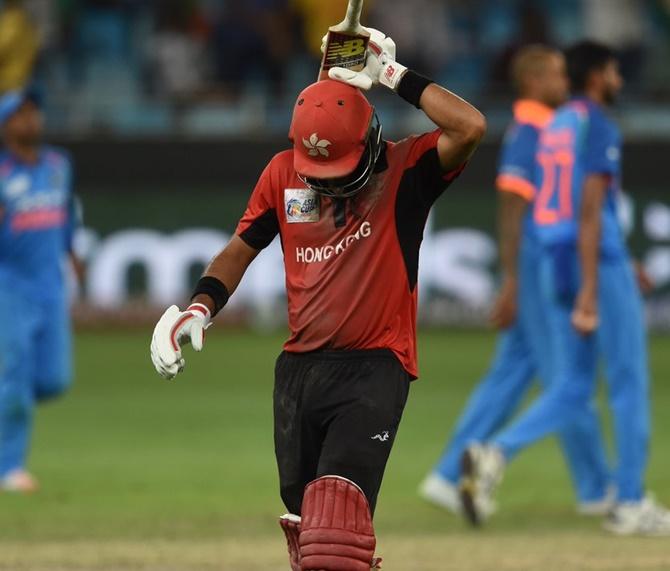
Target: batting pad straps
(215, 289)
(337, 532)
(411, 87)
(290, 524)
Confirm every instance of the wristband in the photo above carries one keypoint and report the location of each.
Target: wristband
(411, 86)
(215, 289)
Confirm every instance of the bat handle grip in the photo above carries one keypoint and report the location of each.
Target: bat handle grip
(354, 10)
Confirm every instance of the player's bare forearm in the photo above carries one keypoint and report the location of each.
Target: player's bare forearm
(511, 210)
(78, 266)
(229, 266)
(462, 125)
(595, 187)
(585, 313)
(510, 221)
(644, 280)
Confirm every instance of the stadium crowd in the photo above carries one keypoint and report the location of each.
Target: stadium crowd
(119, 53)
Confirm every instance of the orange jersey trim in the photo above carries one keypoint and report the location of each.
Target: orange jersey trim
(516, 185)
(533, 113)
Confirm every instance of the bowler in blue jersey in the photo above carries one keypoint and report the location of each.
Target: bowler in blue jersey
(592, 300)
(522, 352)
(37, 221)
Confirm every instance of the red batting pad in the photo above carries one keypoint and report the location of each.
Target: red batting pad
(337, 532)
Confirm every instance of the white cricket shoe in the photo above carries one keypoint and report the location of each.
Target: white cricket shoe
(19, 482)
(599, 508)
(645, 517)
(482, 469)
(441, 492)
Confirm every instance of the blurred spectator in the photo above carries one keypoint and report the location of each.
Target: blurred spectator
(101, 54)
(532, 27)
(253, 41)
(19, 46)
(658, 64)
(176, 53)
(104, 29)
(621, 24)
(663, 7)
(420, 28)
(661, 15)
(96, 38)
(317, 16)
(44, 14)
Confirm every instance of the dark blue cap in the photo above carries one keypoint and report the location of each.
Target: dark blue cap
(12, 100)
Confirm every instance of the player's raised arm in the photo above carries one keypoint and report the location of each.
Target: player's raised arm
(462, 125)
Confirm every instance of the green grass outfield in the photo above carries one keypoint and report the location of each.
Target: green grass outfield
(140, 473)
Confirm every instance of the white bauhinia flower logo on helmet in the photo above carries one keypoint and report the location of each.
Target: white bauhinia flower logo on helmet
(317, 147)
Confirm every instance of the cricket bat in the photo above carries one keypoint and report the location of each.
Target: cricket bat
(347, 43)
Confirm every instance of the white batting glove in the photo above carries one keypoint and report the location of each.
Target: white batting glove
(174, 329)
(380, 66)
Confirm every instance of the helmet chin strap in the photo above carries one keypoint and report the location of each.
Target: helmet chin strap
(352, 184)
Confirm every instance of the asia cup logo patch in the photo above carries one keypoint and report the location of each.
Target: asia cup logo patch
(301, 205)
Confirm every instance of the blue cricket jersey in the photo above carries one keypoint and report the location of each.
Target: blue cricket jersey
(36, 221)
(517, 163)
(580, 141)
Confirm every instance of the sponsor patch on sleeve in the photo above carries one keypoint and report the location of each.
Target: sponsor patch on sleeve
(301, 205)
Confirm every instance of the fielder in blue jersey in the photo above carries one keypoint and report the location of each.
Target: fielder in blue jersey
(522, 353)
(36, 228)
(587, 287)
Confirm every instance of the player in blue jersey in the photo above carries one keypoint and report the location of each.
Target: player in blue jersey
(540, 76)
(36, 227)
(592, 300)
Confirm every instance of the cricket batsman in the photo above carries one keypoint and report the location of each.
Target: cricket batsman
(591, 296)
(522, 353)
(350, 209)
(37, 219)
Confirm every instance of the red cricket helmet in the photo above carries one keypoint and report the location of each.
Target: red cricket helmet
(336, 138)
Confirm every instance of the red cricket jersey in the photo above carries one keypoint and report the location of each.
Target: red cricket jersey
(351, 264)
